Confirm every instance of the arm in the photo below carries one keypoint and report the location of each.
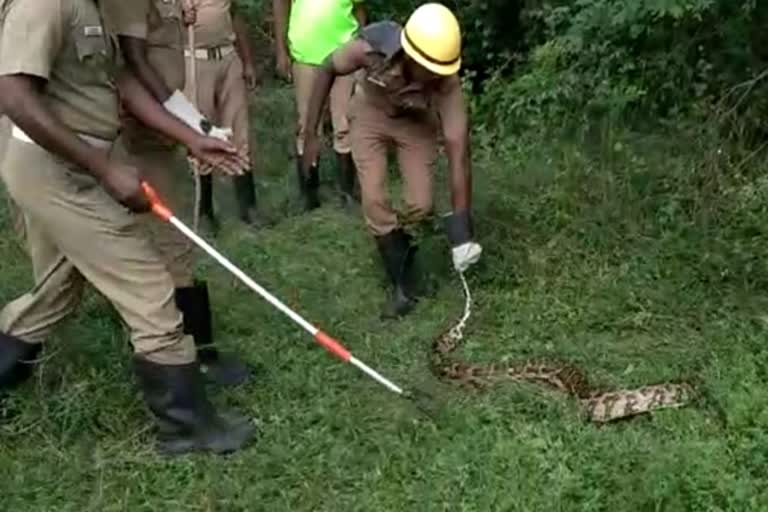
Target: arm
(455, 124)
(452, 108)
(361, 13)
(243, 44)
(281, 10)
(346, 60)
(143, 105)
(23, 103)
(242, 40)
(135, 54)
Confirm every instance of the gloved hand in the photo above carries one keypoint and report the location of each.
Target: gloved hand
(178, 105)
(464, 251)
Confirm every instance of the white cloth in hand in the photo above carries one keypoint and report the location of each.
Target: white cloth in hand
(181, 107)
(466, 255)
(178, 105)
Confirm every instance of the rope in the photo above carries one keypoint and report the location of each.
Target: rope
(193, 92)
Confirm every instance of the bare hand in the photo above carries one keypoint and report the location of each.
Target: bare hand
(218, 154)
(249, 75)
(284, 65)
(123, 183)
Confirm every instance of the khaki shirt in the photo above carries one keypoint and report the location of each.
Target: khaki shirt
(65, 43)
(161, 24)
(384, 82)
(214, 23)
(158, 22)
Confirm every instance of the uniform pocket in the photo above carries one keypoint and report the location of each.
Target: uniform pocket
(91, 45)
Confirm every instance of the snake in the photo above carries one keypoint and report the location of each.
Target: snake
(598, 406)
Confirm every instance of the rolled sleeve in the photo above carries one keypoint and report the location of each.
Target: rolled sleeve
(33, 35)
(129, 17)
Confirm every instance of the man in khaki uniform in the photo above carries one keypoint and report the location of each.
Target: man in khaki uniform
(306, 32)
(408, 87)
(150, 33)
(58, 67)
(223, 74)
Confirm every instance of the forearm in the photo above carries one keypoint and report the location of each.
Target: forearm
(242, 40)
(361, 14)
(281, 11)
(135, 53)
(138, 100)
(23, 104)
(460, 168)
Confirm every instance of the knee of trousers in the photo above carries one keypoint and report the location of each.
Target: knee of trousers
(175, 250)
(173, 349)
(380, 218)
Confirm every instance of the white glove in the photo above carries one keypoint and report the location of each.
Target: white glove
(466, 255)
(178, 105)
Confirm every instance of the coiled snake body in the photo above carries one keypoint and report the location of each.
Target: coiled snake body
(598, 406)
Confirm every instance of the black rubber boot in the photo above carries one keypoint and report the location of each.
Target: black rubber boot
(221, 368)
(309, 186)
(347, 181)
(187, 421)
(245, 193)
(207, 216)
(397, 254)
(16, 361)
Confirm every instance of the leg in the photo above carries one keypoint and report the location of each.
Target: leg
(17, 219)
(105, 244)
(29, 320)
(341, 94)
(158, 163)
(303, 79)
(205, 87)
(370, 138)
(417, 155)
(232, 105)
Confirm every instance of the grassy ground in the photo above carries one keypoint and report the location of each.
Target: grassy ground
(629, 257)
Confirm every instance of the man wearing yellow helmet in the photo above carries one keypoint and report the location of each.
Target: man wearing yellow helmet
(408, 87)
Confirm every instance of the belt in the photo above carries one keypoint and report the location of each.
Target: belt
(18, 134)
(215, 53)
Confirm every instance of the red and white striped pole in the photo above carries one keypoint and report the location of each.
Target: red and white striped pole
(323, 339)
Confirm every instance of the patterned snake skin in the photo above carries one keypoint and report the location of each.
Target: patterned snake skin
(599, 406)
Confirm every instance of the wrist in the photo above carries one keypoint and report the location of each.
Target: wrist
(98, 163)
(459, 228)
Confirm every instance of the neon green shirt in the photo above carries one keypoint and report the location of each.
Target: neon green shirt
(318, 27)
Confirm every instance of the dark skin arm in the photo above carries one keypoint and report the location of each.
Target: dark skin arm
(143, 105)
(455, 124)
(22, 100)
(346, 60)
(361, 14)
(281, 12)
(135, 54)
(243, 44)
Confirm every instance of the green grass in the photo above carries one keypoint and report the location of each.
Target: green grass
(640, 262)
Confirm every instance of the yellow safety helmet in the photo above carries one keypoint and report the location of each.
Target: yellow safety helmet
(432, 38)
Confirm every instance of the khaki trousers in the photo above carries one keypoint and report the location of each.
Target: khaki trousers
(17, 219)
(161, 164)
(78, 233)
(373, 133)
(222, 96)
(341, 92)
